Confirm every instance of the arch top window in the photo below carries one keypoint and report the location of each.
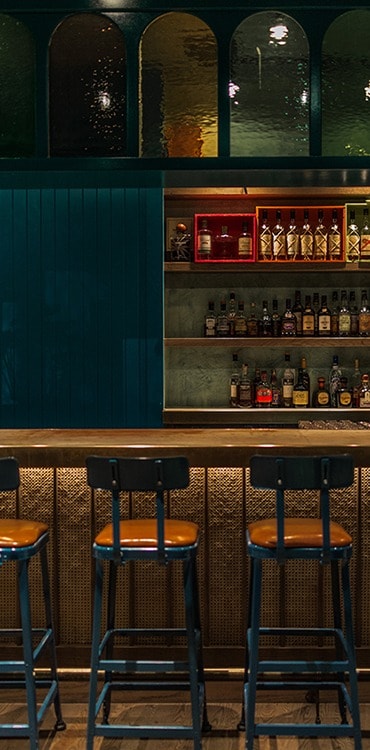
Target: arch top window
(17, 88)
(87, 88)
(269, 87)
(178, 88)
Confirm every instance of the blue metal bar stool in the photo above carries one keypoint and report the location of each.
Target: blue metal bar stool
(20, 541)
(161, 540)
(284, 538)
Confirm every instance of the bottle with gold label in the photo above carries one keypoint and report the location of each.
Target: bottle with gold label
(364, 396)
(364, 315)
(263, 392)
(321, 396)
(301, 395)
(344, 395)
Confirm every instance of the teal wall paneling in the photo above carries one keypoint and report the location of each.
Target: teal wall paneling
(81, 307)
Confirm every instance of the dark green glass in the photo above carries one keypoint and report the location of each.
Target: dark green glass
(17, 89)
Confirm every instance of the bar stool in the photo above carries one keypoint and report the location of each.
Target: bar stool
(20, 541)
(163, 541)
(283, 538)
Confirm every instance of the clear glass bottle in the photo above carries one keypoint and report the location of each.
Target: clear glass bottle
(353, 309)
(276, 319)
(324, 318)
(365, 236)
(231, 313)
(320, 238)
(245, 244)
(265, 326)
(265, 239)
(364, 396)
(287, 383)
(204, 241)
(288, 321)
(308, 318)
(222, 325)
(344, 317)
(240, 321)
(210, 320)
(263, 392)
(224, 245)
(252, 321)
(245, 388)
(334, 238)
(301, 396)
(278, 239)
(356, 384)
(256, 380)
(364, 315)
(234, 382)
(298, 311)
(321, 396)
(292, 238)
(353, 240)
(334, 381)
(306, 238)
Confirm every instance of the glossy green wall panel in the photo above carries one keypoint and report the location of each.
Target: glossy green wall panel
(81, 307)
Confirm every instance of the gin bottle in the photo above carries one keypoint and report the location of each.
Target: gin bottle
(278, 239)
(334, 238)
(365, 237)
(353, 240)
(292, 238)
(306, 238)
(320, 238)
(265, 239)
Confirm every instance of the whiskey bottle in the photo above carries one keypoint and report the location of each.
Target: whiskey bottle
(356, 384)
(364, 315)
(301, 395)
(278, 239)
(292, 238)
(240, 321)
(334, 238)
(245, 389)
(265, 327)
(334, 314)
(321, 396)
(222, 325)
(210, 320)
(308, 318)
(245, 245)
(364, 396)
(252, 322)
(305, 374)
(365, 236)
(353, 309)
(231, 312)
(297, 309)
(287, 383)
(276, 319)
(334, 382)
(275, 391)
(344, 317)
(320, 238)
(344, 394)
(316, 308)
(234, 382)
(288, 321)
(263, 392)
(256, 380)
(353, 240)
(204, 241)
(306, 238)
(324, 318)
(224, 245)
(265, 239)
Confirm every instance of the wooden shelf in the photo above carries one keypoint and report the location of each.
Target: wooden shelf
(253, 416)
(277, 267)
(282, 342)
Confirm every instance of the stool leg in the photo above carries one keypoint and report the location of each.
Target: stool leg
(250, 686)
(112, 586)
(337, 617)
(206, 726)
(188, 577)
(60, 724)
(355, 709)
(25, 611)
(94, 664)
(241, 725)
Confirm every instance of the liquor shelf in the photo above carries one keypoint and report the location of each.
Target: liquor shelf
(255, 417)
(280, 341)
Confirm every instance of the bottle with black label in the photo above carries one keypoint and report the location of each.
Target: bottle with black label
(245, 389)
(245, 246)
(288, 321)
(301, 396)
(234, 382)
(204, 241)
(287, 383)
(344, 395)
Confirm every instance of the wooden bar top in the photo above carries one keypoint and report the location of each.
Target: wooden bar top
(203, 447)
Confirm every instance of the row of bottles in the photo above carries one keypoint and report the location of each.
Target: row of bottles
(225, 244)
(293, 242)
(313, 318)
(264, 391)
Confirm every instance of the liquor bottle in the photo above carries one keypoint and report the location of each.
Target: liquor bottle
(308, 318)
(222, 325)
(356, 384)
(276, 319)
(252, 322)
(353, 240)
(298, 311)
(320, 238)
(245, 389)
(334, 238)
(334, 381)
(324, 318)
(265, 323)
(224, 245)
(265, 239)
(231, 312)
(344, 394)
(292, 238)
(278, 239)
(365, 236)
(245, 245)
(306, 238)
(316, 308)
(364, 396)
(287, 383)
(234, 382)
(240, 321)
(334, 314)
(364, 315)
(210, 320)
(344, 317)
(321, 396)
(276, 391)
(301, 396)
(263, 392)
(288, 321)
(256, 380)
(204, 241)
(305, 374)
(353, 309)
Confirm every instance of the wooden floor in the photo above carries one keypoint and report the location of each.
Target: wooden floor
(224, 714)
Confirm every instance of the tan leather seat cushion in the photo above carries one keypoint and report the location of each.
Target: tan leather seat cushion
(298, 532)
(143, 533)
(20, 532)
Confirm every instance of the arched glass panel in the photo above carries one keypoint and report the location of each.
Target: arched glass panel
(17, 89)
(178, 96)
(346, 86)
(87, 88)
(269, 87)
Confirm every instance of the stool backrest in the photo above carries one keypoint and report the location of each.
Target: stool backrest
(321, 473)
(155, 475)
(9, 474)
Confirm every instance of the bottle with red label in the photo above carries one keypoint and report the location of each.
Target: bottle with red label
(263, 392)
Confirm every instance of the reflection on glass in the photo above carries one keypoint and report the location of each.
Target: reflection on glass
(17, 89)
(87, 88)
(346, 85)
(178, 91)
(269, 90)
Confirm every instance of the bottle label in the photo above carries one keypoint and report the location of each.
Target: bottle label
(240, 326)
(353, 247)
(287, 391)
(306, 246)
(364, 323)
(344, 398)
(264, 395)
(300, 398)
(265, 246)
(365, 399)
(308, 325)
(245, 247)
(210, 327)
(344, 323)
(292, 245)
(324, 324)
(365, 247)
(245, 395)
(278, 246)
(334, 249)
(204, 245)
(322, 398)
(288, 328)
